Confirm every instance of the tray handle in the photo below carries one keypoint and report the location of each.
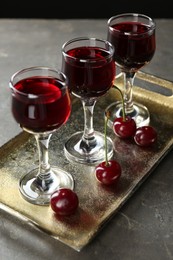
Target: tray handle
(148, 95)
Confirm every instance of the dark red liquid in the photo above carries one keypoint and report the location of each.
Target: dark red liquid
(132, 50)
(89, 79)
(46, 112)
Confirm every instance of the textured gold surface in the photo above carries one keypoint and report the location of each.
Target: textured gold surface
(96, 202)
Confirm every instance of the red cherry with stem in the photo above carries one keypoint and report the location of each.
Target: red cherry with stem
(109, 171)
(145, 136)
(64, 201)
(125, 126)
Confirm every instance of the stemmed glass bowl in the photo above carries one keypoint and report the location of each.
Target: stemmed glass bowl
(41, 104)
(89, 66)
(133, 37)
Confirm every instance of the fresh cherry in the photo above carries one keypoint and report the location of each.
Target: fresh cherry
(124, 127)
(108, 173)
(64, 202)
(145, 136)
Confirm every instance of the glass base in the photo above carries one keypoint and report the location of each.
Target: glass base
(75, 151)
(37, 191)
(140, 113)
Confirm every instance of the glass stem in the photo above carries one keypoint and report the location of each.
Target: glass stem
(128, 91)
(44, 177)
(88, 139)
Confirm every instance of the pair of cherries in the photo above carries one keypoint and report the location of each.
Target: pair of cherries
(126, 128)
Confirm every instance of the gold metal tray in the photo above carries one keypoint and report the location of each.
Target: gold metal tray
(97, 204)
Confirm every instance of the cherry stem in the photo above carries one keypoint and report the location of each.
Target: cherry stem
(105, 135)
(124, 114)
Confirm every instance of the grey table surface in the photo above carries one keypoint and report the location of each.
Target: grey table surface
(143, 228)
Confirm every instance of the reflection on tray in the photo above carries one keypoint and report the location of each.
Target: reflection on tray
(97, 203)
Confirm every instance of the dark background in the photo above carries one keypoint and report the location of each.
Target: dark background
(70, 9)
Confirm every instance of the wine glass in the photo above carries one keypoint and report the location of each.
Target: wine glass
(133, 38)
(41, 104)
(89, 66)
